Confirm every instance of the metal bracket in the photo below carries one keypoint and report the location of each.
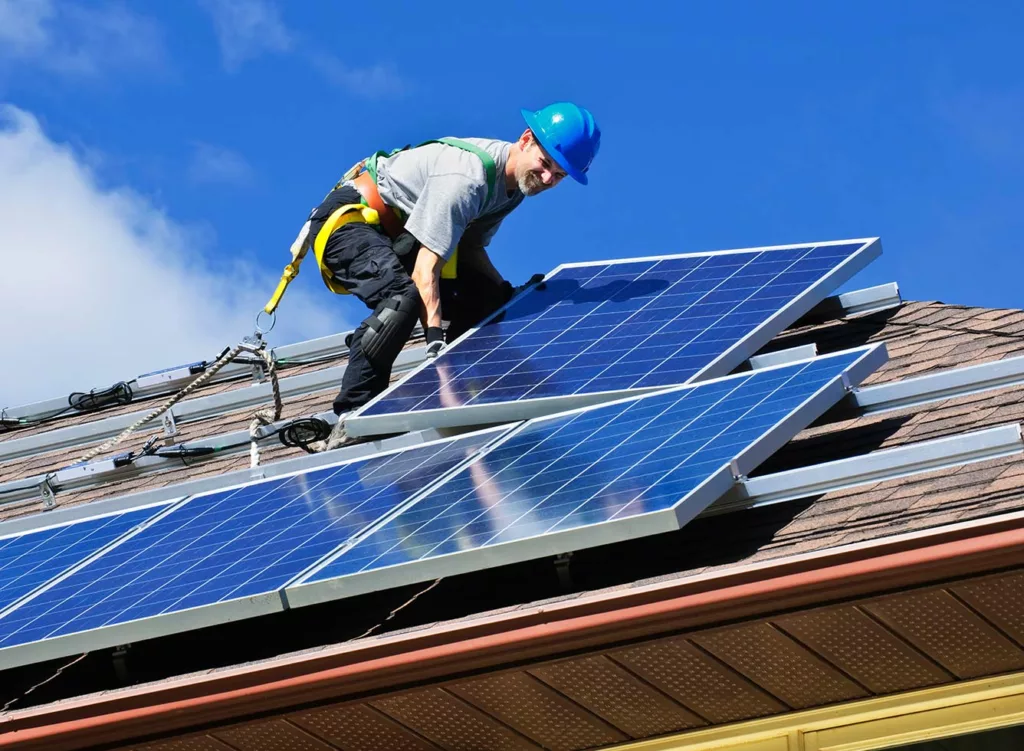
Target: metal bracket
(258, 376)
(562, 569)
(254, 344)
(170, 427)
(120, 663)
(48, 493)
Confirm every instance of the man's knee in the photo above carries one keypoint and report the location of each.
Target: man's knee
(388, 328)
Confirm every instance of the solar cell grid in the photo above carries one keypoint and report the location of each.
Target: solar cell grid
(599, 328)
(234, 543)
(31, 559)
(611, 463)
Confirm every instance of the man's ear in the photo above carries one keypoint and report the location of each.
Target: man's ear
(525, 139)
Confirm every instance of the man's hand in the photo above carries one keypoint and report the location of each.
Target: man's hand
(435, 341)
(426, 275)
(537, 280)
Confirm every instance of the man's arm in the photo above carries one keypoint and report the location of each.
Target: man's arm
(426, 275)
(476, 256)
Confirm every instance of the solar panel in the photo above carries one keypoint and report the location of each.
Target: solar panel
(597, 331)
(31, 559)
(239, 544)
(600, 474)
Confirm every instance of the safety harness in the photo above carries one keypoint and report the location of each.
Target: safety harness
(370, 210)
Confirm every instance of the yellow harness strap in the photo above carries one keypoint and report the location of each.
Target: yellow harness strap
(351, 212)
(450, 268)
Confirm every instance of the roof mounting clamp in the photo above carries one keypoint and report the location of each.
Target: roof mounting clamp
(259, 366)
(118, 659)
(564, 574)
(170, 427)
(48, 494)
(734, 466)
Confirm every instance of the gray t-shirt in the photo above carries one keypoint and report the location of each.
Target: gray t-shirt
(443, 191)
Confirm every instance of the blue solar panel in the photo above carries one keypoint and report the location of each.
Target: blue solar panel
(31, 559)
(611, 327)
(234, 543)
(669, 452)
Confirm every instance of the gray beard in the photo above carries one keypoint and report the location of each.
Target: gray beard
(530, 184)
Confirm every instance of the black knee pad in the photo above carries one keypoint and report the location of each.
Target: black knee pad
(388, 329)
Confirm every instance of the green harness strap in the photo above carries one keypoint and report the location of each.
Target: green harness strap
(488, 161)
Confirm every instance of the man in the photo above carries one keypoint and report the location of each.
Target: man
(407, 232)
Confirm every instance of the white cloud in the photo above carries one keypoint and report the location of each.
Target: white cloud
(247, 29)
(22, 25)
(78, 40)
(98, 285)
(374, 82)
(216, 164)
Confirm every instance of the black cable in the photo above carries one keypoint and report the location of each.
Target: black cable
(78, 402)
(302, 432)
(121, 393)
(7, 425)
(182, 451)
(118, 394)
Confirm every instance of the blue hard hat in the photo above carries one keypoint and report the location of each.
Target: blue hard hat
(569, 134)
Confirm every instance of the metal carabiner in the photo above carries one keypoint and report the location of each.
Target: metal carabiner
(260, 331)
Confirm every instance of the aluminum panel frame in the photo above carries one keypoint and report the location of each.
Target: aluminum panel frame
(205, 615)
(300, 592)
(359, 424)
(718, 484)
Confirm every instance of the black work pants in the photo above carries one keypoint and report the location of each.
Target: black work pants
(469, 299)
(362, 260)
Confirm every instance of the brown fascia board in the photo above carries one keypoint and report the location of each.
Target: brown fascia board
(540, 632)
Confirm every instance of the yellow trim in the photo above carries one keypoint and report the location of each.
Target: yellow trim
(350, 212)
(451, 266)
(290, 272)
(298, 250)
(866, 725)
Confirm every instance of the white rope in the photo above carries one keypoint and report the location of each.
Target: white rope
(261, 417)
(197, 383)
(264, 416)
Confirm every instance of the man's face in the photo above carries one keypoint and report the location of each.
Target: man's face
(535, 170)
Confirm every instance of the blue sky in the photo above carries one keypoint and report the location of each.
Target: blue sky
(203, 131)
